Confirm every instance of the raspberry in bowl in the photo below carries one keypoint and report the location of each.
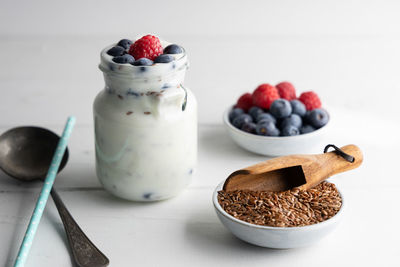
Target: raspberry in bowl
(276, 122)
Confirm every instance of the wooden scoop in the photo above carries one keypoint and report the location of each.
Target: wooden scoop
(303, 171)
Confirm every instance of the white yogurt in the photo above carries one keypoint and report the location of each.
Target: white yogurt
(145, 129)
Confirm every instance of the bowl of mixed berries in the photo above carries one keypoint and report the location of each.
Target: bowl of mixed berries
(273, 121)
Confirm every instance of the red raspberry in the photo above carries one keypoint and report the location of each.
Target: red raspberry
(148, 46)
(286, 90)
(310, 100)
(245, 102)
(264, 95)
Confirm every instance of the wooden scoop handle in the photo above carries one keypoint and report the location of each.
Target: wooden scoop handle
(271, 175)
(331, 163)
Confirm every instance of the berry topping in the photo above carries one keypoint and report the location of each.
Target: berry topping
(143, 62)
(298, 107)
(164, 59)
(290, 130)
(241, 119)
(148, 46)
(264, 95)
(286, 90)
(249, 127)
(266, 117)
(318, 117)
(234, 113)
(125, 43)
(173, 49)
(116, 51)
(281, 108)
(245, 102)
(254, 112)
(310, 100)
(124, 59)
(267, 128)
(293, 119)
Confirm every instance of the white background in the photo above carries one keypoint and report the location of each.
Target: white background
(346, 51)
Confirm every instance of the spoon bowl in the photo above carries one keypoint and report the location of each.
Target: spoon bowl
(26, 152)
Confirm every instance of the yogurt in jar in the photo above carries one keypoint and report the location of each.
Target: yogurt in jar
(145, 129)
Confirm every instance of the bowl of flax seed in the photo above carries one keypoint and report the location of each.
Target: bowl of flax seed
(281, 220)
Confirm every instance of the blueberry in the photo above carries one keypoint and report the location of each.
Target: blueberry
(306, 129)
(173, 49)
(290, 130)
(143, 62)
(124, 59)
(266, 116)
(116, 51)
(241, 119)
(234, 113)
(280, 108)
(267, 128)
(249, 127)
(147, 195)
(125, 43)
(164, 59)
(293, 119)
(298, 107)
(318, 117)
(254, 112)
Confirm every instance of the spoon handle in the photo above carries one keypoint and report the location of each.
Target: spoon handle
(85, 253)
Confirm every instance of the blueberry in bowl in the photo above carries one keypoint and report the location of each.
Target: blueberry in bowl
(278, 126)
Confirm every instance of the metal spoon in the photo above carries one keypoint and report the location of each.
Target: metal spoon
(25, 154)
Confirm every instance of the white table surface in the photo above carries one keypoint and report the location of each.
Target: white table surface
(347, 51)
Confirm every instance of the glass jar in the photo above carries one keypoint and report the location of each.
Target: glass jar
(145, 129)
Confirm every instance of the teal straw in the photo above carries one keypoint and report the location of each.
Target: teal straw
(44, 194)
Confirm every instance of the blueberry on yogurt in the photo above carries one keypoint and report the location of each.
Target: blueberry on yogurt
(116, 51)
(143, 62)
(147, 195)
(125, 43)
(173, 49)
(124, 59)
(164, 58)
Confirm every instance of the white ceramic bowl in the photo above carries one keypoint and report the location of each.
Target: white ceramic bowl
(276, 237)
(280, 145)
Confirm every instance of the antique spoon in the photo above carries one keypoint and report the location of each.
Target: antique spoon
(303, 171)
(26, 154)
